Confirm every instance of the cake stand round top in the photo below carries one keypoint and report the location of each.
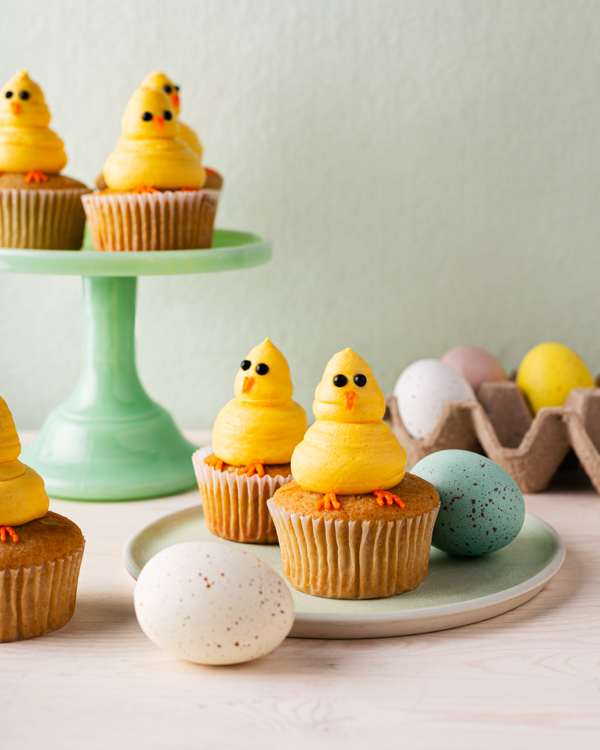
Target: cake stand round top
(231, 250)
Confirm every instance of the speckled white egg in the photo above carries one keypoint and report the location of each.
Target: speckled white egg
(212, 603)
(424, 389)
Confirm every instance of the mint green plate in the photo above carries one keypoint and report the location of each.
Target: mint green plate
(109, 441)
(457, 591)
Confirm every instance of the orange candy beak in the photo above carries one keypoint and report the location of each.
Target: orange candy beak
(349, 396)
(174, 100)
(159, 123)
(16, 108)
(247, 384)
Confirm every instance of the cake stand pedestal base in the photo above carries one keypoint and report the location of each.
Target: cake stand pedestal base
(109, 440)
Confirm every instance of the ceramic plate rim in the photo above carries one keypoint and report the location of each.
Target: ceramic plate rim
(536, 583)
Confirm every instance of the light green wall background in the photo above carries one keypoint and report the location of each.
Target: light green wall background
(429, 171)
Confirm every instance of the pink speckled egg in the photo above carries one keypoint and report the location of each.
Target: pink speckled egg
(475, 364)
(211, 603)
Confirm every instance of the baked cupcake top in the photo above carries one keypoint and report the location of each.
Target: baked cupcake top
(149, 156)
(27, 145)
(349, 450)
(262, 424)
(22, 494)
(418, 495)
(161, 82)
(43, 540)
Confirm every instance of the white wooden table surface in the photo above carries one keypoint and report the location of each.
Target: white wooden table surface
(527, 679)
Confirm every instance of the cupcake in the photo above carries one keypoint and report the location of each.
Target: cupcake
(353, 524)
(154, 198)
(40, 551)
(161, 82)
(253, 440)
(39, 207)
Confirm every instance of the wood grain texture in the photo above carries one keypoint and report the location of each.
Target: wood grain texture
(527, 679)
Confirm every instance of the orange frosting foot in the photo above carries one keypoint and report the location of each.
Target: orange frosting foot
(189, 190)
(214, 461)
(35, 176)
(254, 467)
(328, 502)
(4, 530)
(145, 189)
(382, 496)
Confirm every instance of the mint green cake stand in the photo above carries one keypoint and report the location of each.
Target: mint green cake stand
(109, 441)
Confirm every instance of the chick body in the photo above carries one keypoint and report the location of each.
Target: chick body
(22, 494)
(148, 153)
(349, 449)
(26, 142)
(262, 423)
(161, 82)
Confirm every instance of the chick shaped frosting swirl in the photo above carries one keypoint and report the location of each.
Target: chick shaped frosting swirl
(262, 423)
(349, 449)
(148, 154)
(161, 82)
(22, 494)
(26, 142)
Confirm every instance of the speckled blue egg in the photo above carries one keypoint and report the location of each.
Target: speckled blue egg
(481, 507)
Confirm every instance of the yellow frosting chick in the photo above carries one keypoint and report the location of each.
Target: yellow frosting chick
(160, 82)
(349, 450)
(148, 154)
(262, 424)
(22, 494)
(27, 144)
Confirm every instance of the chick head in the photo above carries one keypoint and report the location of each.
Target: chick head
(348, 391)
(264, 375)
(10, 446)
(22, 103)
(161, 82)
(149, 115)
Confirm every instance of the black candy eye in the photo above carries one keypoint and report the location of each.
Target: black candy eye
(340, 381)
(167, 115)
(167, 89)
(24, 95)
(262, 369)
(360, 380)
(147, 116)
(246, 364)
(8, 94)
(176, 88)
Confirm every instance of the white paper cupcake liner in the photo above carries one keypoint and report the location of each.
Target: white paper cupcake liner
(38, 599)
(341, 559)
(42, 219)
(137, 222)
(235, 506)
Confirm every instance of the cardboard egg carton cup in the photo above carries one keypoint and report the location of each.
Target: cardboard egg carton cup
(530, 448)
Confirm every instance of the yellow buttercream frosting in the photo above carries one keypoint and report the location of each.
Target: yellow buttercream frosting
(161, 82)
(349, 450)
(26, 142)
(22, 494)
(148, 153)
(262, 423)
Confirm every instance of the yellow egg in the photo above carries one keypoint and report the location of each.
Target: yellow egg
(548, 373)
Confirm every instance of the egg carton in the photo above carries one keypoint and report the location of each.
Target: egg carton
(500, 425)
